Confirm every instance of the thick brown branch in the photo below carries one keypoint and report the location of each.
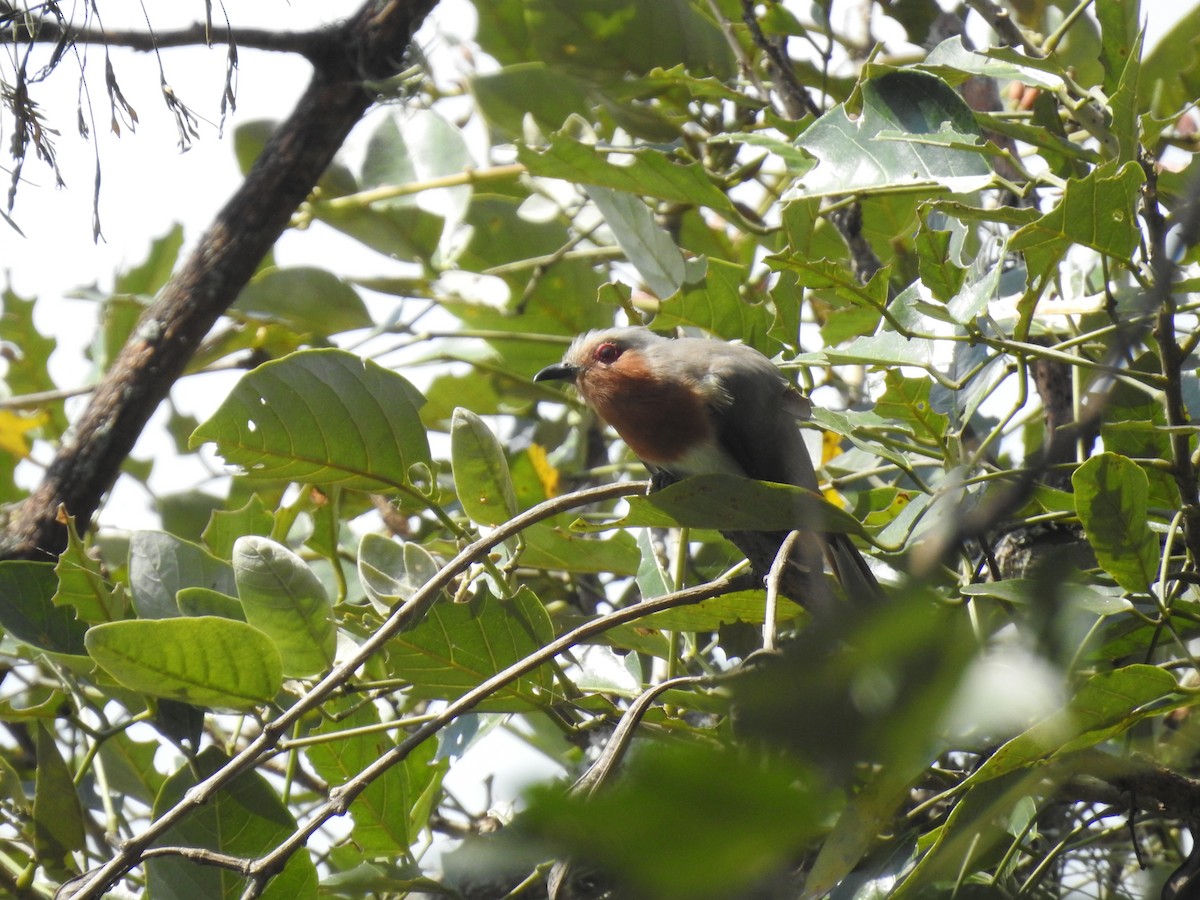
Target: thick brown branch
(369, 46)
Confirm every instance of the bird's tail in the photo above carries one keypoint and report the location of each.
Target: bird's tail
(852, 572)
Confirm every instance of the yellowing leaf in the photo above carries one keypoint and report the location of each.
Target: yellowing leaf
(546, 473)
(831, 447)
(14, 427)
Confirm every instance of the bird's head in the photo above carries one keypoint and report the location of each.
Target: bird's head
(599, 362)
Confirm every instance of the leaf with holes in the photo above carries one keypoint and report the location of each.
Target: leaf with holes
(322, 416)
(481, 475)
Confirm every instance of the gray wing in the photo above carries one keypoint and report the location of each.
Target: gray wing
(755, 413)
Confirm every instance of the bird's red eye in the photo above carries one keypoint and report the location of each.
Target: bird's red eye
(607, 352)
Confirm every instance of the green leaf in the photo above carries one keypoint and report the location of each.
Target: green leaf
(548, 546)
(939, 270)
(306, 299)
(646, 172)
(652, 579)
(287, 602)
(391, 813)
(533, 89)
(646, 245)
(604, 42)
(28, 372)
(160, 565)
(153, 272)
(796, 162)
(1097, 211)
(398, 232)
(245, 819)
(669, 829)
(906, 400)
(716, 304)
(250, 139)
(392, 571)
(205, 661)
(83, 585)
(859, 824)
(198, 601)
(953, 62)
(226, 526)
(28, 613)
(834, 283)
(731, 503)
(460, 645)
(1106, 705)
(1110, 497)
(323, 416)
(57, 813)
(1170, 80)
(414, 148)
(481, 477)
(710, 615)
(910, 135)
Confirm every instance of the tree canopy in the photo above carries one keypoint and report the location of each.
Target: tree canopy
(970, 236)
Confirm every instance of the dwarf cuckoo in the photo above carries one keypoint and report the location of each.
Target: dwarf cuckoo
(692, 406)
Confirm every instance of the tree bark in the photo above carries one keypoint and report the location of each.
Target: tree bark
(368, 46)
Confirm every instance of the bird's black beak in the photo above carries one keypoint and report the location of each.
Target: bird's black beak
(557, 372)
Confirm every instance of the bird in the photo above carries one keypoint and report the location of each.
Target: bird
(693, 406)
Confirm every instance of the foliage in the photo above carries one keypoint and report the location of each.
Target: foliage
(1001, 358)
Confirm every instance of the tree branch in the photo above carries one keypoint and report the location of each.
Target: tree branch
(97, 881)
(309, 44)
(370, 45)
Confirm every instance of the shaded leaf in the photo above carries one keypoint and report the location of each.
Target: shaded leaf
(1097, 211)
(226, 526)
(160, 565)
(306, 299)
(731, 503)
(670, 829)
(390, 814)
(57, 813)
(27, 610)
(646, 245)
(245, 819)
(83, 585)
(198, 601)
(392, 571)
(647, 172)
(1110, 497)
(1106, 705)
(548, 546)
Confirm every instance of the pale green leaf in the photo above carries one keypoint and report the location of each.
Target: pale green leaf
(205, 661)
(481, 476)
(284, 599)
